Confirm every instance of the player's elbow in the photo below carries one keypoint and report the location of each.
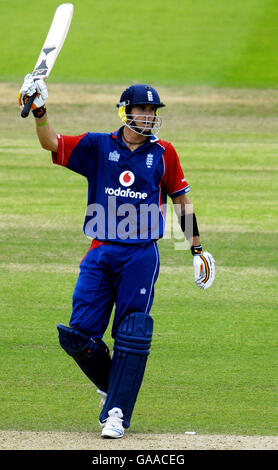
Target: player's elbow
(49, 144)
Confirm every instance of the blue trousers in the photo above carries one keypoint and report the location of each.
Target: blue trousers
(111, 275)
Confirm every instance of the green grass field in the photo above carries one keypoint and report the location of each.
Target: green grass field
(177, 42)
(213, 364)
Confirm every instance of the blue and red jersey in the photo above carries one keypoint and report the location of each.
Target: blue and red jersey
(127, 190)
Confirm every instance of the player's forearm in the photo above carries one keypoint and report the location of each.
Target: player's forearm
(46, 134)
(187, 219)
(195, 241)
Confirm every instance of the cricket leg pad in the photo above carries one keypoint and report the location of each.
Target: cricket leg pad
(92, 355)
(131, 350)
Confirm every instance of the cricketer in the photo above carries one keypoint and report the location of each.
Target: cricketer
(130, 174)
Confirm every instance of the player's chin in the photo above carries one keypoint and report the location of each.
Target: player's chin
(147, 131)
(144, 130)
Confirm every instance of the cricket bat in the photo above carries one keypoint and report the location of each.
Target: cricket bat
(51, 48)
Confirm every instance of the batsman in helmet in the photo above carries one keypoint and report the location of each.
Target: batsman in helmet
(130, 174)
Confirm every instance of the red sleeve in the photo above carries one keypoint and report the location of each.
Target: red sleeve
(66, 145)
(173, 177)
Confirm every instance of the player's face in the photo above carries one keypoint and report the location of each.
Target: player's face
(143, 116)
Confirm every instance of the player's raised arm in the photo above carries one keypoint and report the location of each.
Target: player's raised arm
(47, 136)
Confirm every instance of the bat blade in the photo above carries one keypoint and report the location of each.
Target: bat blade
(54, 40)
(51, 47)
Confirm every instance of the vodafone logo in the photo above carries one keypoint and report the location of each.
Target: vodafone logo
(127, 178)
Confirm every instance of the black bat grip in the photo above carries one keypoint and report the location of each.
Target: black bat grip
(28, 105)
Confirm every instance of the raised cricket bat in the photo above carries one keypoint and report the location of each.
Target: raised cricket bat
(51, 48)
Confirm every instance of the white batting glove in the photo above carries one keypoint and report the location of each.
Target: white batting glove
(204, 269)
(29, 87)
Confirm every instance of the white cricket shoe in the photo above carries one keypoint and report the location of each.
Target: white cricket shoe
(113, 427)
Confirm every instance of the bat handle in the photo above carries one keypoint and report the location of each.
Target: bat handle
(28, 105)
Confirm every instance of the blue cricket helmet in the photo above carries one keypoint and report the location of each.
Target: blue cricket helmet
(140, 94)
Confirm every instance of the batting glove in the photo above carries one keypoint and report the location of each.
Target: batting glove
(204, 269)
(29, 87)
